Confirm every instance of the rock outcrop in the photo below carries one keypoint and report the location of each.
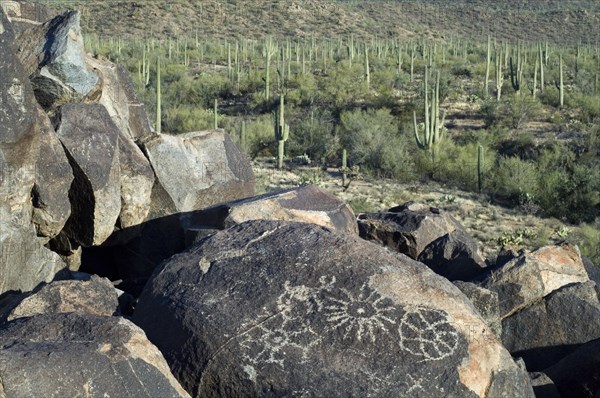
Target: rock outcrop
(428, 235)
(309, 204)
(91, 140)
(285, 308)
(199, 169)
(67, 355)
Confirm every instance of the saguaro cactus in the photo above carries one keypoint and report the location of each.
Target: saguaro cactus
(269, 50)
(158, 95)
(433, 127)
(282, 131)
(499, 75)
(480, 167)
(487, 67)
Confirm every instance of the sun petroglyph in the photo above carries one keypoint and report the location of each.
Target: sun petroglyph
(362, 315)
(426, 333)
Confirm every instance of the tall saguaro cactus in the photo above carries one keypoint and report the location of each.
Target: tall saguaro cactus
(433, 127)
(487, 67)
(282, 131)
(269, 50)
(480, 167)
(499, 75)
(158, 99)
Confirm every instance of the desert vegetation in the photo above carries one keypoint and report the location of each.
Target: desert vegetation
(514, 119)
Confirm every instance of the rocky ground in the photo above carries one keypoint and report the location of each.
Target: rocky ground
(490, 224)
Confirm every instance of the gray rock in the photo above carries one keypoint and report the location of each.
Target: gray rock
(284, 309)
(68, 355)
(553, 327)
(309, 204)
(24, 262)
(19, 134)
(454, 256)
(53, 179)
(137, 181)
(119, 98)
(486, 302)
(200, 169)
(426, 234)
(53, 54)
(543, 386)
(578, 374)
(91, 141)
(97, 296)
(533, 275)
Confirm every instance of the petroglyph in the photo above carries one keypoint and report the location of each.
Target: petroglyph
(362, 315)
(426, 333)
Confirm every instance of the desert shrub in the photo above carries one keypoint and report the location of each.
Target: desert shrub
(513, 179)
(312, 135)
(185, 118)
(588, 240)
(374, 143)
(260, 136)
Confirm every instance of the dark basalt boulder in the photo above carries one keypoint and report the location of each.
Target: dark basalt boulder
(68, 355)
(273, 308)
(426, 234)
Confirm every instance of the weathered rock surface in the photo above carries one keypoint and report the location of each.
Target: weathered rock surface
(425, 234)
(120, 100)
(284, 308)
(68, 355)
(24, 262)
(309, 204)
(200, 169)
(54, 57)
(96, 296)
(578, 374)
(53, 178)
(91, 141)
(19, 138)
(551, 328)
(533, 275)
(486, 302)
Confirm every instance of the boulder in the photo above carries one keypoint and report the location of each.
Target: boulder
(309, 204)
(120, 100)
(486, 302)
(19, 133)
(68, 355)
(426, 234)
(24, 262)
(53, 179)
(551, 328)
(137, 180)
(578, 374)
(24, 14)
(96, 296)
(287, 309)
(454, 256)
(199, 169)
(535, 274)
(91, 141)
(54, 57)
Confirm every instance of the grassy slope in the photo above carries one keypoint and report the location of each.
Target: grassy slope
(556, 20)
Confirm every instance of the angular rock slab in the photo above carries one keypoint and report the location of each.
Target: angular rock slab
(309, 204)
(551, 328)
(533, 275)
(91, 140)
(24, 262)
(54, 56)
(426, 234)
(53, 178)
(120, 100)
(284, 309)
(19, 138)
(96, 296)
(68, 355)
(200, 169)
